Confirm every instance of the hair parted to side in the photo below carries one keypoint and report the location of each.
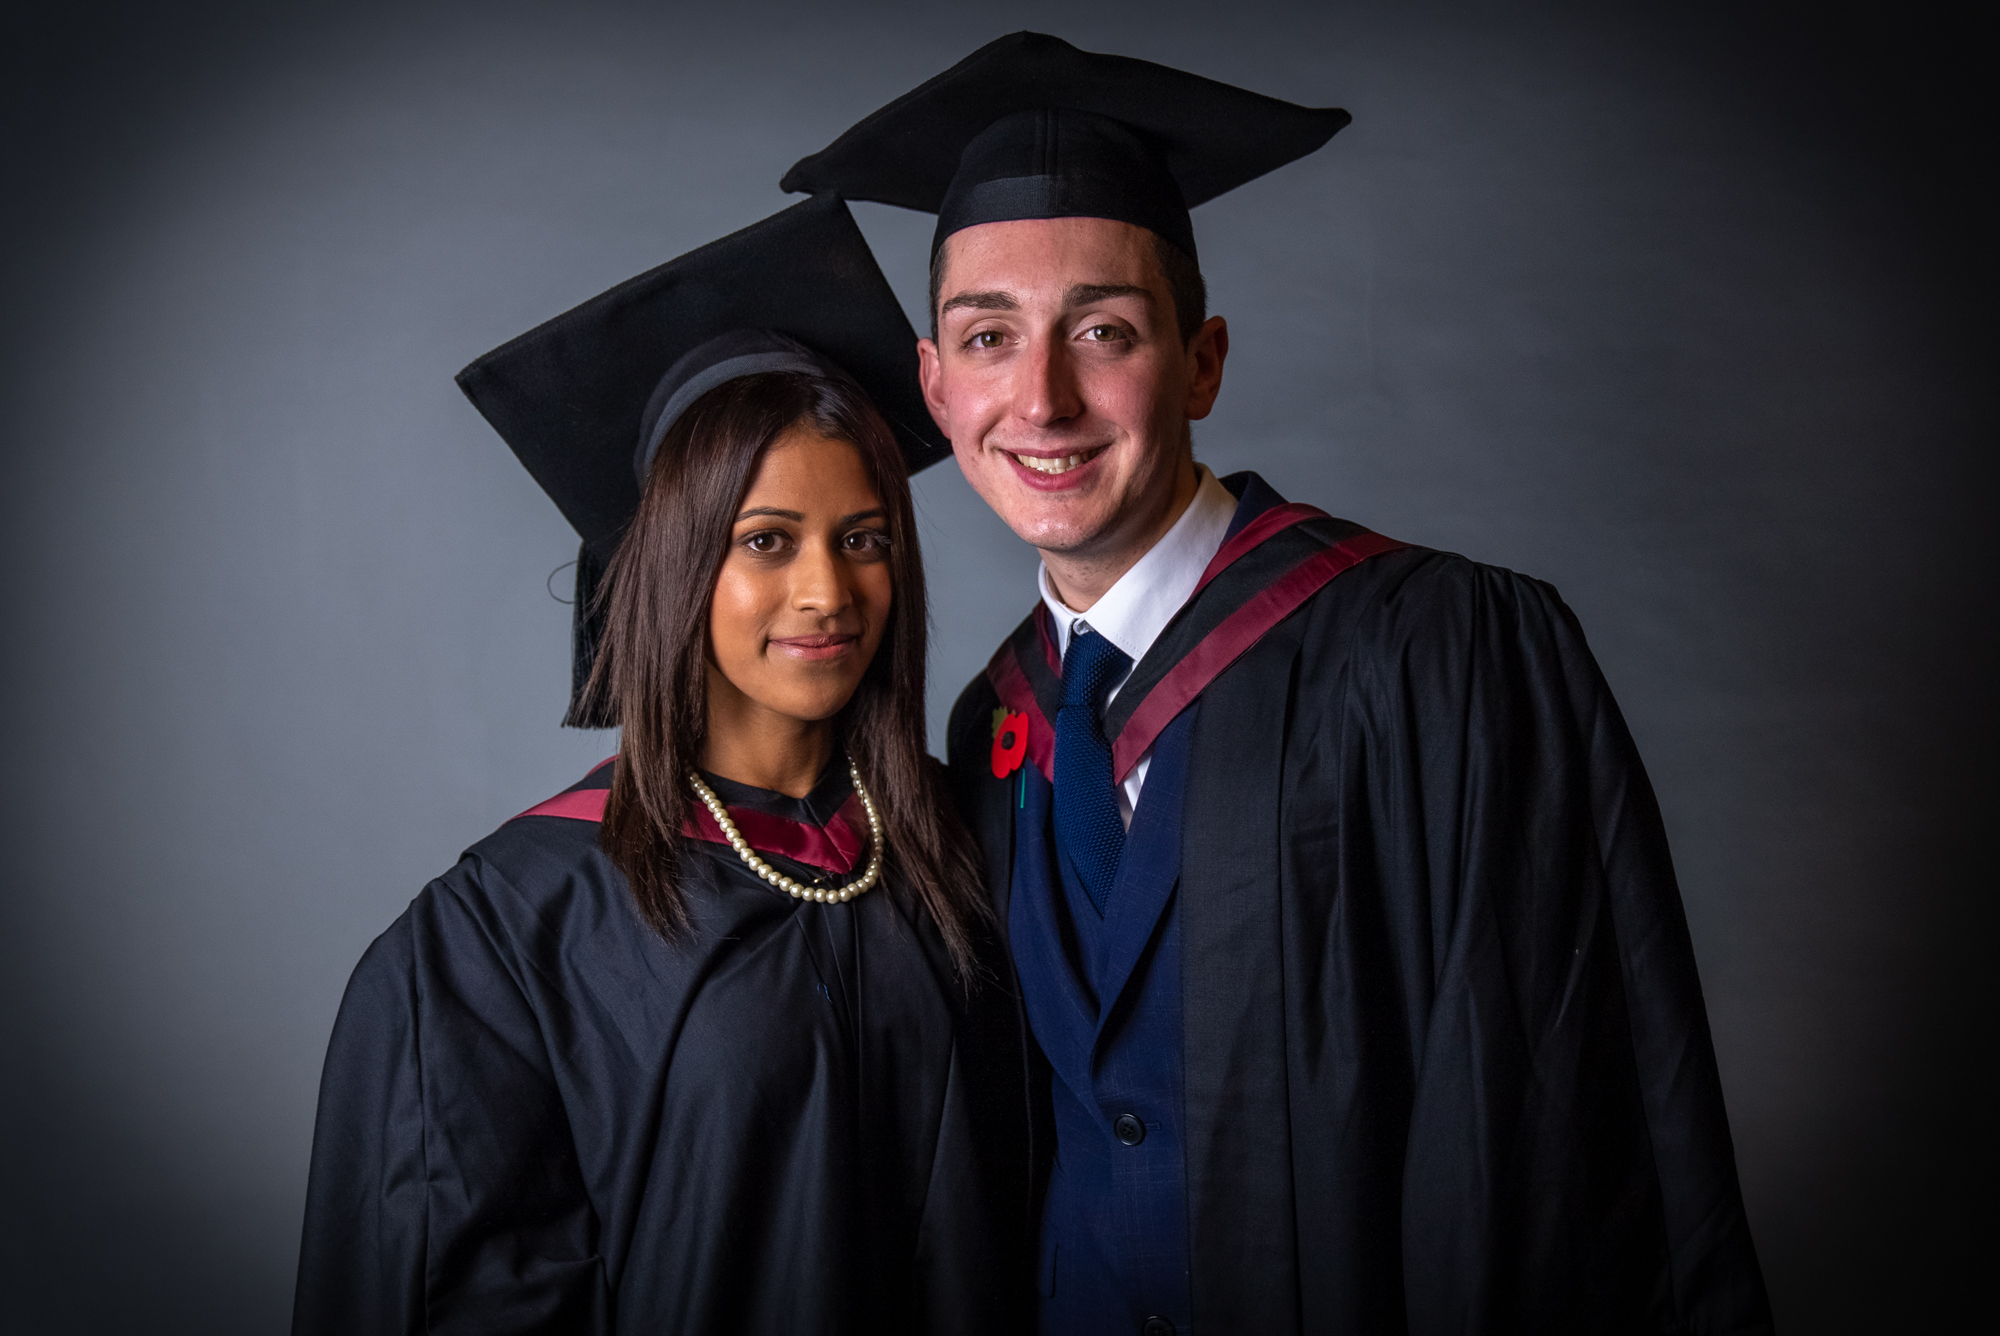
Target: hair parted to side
(1183, 275)
(650, 675)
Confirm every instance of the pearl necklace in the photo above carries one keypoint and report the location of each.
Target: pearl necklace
(779, 879)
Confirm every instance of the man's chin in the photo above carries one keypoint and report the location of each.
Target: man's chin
(1067, 534)
(1066, 519)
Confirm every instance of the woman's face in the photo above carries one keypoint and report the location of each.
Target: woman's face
(804, 590)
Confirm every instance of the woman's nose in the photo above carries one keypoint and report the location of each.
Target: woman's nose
(819, 580)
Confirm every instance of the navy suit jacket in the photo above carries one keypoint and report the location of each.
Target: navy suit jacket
(1103, 997)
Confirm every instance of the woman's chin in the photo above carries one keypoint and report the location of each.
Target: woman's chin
(808, 707)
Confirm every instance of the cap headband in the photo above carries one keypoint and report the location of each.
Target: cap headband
(680, 399)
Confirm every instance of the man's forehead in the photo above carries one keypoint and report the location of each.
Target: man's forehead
(1044, 260)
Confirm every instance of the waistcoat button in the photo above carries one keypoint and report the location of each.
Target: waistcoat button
(1131, 1131)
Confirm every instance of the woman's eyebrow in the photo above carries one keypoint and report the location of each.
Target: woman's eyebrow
(860, 515)
(754, 511)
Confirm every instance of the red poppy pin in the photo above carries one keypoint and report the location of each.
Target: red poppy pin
(1010, 742)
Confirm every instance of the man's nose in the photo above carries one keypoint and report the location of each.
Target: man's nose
(1045, 390)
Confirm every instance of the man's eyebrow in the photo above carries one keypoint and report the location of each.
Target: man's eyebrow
(981, 301)
(1084, 294)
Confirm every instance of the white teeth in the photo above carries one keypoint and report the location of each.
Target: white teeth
(1062, 465)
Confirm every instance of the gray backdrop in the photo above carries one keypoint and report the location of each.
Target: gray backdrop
(1674, 310)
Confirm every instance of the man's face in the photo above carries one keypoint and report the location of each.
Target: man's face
(1060, 376)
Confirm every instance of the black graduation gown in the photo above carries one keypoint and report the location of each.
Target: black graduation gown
(536, 1116)
(1446, 1063)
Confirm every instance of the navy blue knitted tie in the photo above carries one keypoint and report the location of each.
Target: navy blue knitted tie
(1088, 827)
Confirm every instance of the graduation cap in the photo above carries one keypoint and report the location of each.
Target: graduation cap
(1030, 127)
(585, 399)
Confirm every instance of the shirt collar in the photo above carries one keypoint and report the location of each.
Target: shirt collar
(1138, 607)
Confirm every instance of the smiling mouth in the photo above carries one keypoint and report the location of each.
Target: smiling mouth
(816, 647)
(1057, 464)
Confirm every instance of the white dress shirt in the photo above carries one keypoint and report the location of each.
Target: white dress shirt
(1135, 610)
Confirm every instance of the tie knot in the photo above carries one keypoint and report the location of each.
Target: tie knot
(1090, 665)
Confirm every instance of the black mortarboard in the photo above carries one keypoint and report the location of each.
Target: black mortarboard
(584, 399)
(1030, 127)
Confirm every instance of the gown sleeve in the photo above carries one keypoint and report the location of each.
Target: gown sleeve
(1568, 1124)
(361, 1261)
(445, 1193)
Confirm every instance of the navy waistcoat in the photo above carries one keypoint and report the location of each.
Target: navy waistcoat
(1103, 996)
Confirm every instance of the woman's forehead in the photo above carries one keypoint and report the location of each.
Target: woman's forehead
(813, 475)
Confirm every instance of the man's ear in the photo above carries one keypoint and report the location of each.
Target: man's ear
(930, 375)
(1206, 354)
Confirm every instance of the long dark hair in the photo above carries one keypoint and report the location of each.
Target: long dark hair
(650, 674)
